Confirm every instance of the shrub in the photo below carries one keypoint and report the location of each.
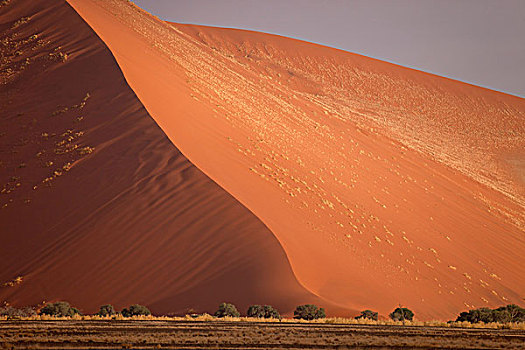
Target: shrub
(504, 314)
(369, 314)
(12, 312)
(59, 309)
(402, 314)
(483, 314)
(308, 312)
(226, 309)
(263, 311)
(515, 313)
(136, 310)
(106, 310)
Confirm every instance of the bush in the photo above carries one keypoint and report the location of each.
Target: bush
(504, 314)
(483, 314)
(309, 312)
(136, 310)
(12, 312)
(402, 314)
(512, 312)
(369, 314)
(59, 309)
(226, 309)
(263, 311)
(106, 310)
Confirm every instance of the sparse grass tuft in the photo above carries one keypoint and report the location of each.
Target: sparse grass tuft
(86, 150)
(20, 22)
(58, 56)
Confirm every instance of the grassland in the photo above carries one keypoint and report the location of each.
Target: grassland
(205, 333)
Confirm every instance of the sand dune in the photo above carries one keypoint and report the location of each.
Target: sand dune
(384, 185)
(381, 185)
(98, 206)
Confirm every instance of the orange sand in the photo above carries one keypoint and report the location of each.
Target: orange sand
(132, 222)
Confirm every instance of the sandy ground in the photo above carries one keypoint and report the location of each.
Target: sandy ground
(246, 335)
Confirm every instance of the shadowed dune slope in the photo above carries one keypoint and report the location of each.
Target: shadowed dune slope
(97, 205)
(384, 185)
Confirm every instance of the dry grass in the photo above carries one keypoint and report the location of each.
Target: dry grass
(328, 320)
(242, 333)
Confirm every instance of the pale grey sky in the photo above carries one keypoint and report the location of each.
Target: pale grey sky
(478, 41)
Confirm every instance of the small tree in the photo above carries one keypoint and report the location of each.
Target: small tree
(504, 314)
(402, 314)
(106, 310)
(255, 311)
(12, 312)
(263, 311)
(369, 314)
(226, 309)
(510, 313)
(59, 309)
(136, 310)
(483, 314)
(308, 312)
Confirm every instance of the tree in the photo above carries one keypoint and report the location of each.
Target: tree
(511, 313)
(369, 314)
(12, 312)
(136, 310)
(59, 309)
(483, 314)
(226, 309)
(402, 314)
(308, 312)
(504, 314)
(106, 310)
(263, 311)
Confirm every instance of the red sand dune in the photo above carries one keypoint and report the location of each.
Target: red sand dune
(131, 222)
(383, 185)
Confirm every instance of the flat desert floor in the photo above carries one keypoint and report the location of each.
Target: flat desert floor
(246, 335)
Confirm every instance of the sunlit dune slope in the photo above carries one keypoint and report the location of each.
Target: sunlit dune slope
(384, 185)
(97, 205)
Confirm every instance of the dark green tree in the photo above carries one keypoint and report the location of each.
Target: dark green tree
(136, 310)
(263, 311)
(106, 310)
(402, 314)
(12, 312)
(371, 315)
(59, 309)
(309, 312)
(504, 314)
(510, 313)
(483, 314)
(226, 309)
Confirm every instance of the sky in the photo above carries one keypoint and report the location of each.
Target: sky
(477, 41)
